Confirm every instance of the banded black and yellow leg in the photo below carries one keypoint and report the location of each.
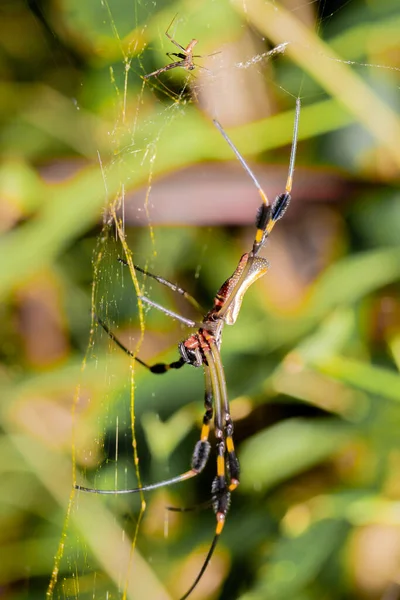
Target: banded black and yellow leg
(227, 434)
(202, 448)
(157, 368)
(232, 459)
(220, 492)
(199, 460)
(220, 503)
(200, 454)
(267, 216)
(263, 218)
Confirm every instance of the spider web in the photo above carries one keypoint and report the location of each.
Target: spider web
(131, 427)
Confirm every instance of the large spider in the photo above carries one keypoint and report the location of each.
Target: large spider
(202, 349)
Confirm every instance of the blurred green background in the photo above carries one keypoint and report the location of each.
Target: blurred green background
(312, 362)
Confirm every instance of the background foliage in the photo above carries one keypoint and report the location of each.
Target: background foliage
(312, 364)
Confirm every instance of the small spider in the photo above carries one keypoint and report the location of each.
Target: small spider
(186, 56)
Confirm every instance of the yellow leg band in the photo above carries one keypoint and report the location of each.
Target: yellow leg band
(204, 432)
(220, 526)
(263, 197)
(259, 235)
(229, 444)
(220, 466)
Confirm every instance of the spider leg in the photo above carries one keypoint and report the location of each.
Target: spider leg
(173, 286)
(220, 489)
(289, 181)
(242, 161)
(267, 216)
(170, 25)
(168, 312)
(182, 509)
(170, 36)
(264, 213)
(166, 68)
(156, 368)
(203, 568)
(201, 67)
(221, 503)
(177, 54)
(222, 399)
(200, 454)
(145, 488)
(175, 42)
(206, 55)
(232, 460)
